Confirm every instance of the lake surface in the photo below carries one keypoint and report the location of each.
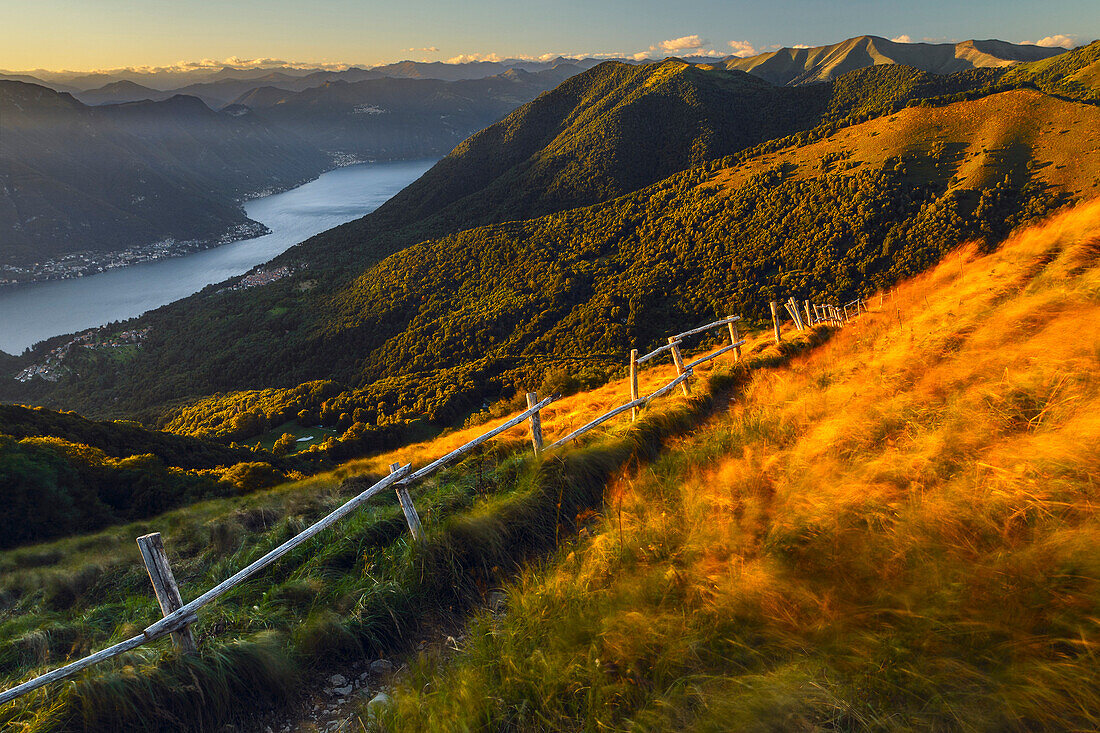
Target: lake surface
(31, 313)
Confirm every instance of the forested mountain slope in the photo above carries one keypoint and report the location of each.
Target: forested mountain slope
(614, 129)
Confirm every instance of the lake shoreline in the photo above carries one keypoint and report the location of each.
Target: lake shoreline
(168, 248)
(36, 312)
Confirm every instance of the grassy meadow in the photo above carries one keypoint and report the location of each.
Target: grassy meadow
(895, 531)
(360, 589)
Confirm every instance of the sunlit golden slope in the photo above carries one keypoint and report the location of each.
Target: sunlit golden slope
(1015, 134)
(898, 531)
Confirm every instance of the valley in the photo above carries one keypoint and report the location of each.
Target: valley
(33, 313)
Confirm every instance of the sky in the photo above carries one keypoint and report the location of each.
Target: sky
(83, 35)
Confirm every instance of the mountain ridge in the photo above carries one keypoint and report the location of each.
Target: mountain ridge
(798, 66)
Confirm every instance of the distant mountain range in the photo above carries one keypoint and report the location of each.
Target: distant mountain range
(786, 66)
(76, 178)
(798, 66)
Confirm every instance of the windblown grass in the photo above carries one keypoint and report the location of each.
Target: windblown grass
(361, 589)
(898, 532)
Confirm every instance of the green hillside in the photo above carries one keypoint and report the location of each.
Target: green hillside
(1075, 74)
(62, 474)
(609, 131)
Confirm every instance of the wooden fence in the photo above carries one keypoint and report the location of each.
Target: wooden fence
(178, 616)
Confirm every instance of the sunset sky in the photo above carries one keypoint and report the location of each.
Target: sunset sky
(105, 34)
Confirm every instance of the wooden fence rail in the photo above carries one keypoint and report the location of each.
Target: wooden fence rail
(656, 352)
(620, 409)
(179, 616)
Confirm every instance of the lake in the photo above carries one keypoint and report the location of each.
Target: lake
(31, 313)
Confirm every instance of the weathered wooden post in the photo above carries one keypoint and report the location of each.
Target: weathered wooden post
(408, 507)
(536, 422)
(734, 338)
(792, 309)
(164, 585)
(633, 383)
(679, 362)
(809, 315)
(775, 321)
(787, 307)
(797, 314)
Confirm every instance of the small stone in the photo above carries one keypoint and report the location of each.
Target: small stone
(497, 599)
(343, 691)
(337, 680)
(379, 701)
(381, 667)
(363, 678)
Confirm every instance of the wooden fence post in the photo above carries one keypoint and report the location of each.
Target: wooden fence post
(633, 383)
(775, 321)
(734, 338)
(792, 310)
(164, 585)
(679, 362)
(797, 314)
(809, 315)
(536, 423)
(408, 507)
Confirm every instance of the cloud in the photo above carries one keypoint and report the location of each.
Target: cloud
(469, 58)
(742, 49)
(801, 45)
(233, 62)
(1060, 40)
(902, 39)
(683, 43)
(424, 49)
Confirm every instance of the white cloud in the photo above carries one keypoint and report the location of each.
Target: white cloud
(425, 49)
(801, 45)
(1060, 40)
(902, 39)
(742, 49)
(683, 43)
(233, 62)
(469, 58)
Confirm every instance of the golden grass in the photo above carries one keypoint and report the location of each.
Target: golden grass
(898, 531)
(563, 416)
(986, 139)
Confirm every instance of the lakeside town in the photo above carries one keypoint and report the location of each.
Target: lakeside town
(256, 278)
(52, 367)
(87, 263)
